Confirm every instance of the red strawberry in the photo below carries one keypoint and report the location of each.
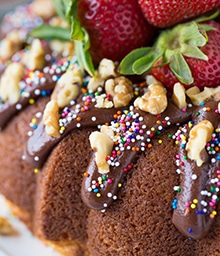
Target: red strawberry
(161, 13)
(205, 73)
(115, 27)
(189, 53)
(218, 17)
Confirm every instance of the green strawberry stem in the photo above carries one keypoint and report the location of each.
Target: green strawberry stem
(60, 8)
(81, 38)
(171, 47)
(67, 10)
(84, 57)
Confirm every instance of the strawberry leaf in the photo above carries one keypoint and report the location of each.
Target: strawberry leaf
(64, 8)
(206, 27)
(84, 58)
(86, 40)
(60, 8)
(76, 30)
(204, 18)
(126, 65)
(170, 47)
(192, 35)
(81, 39)
(49, 32)
(67, 10)
(193, 52)
(180, 68)
(145, 63)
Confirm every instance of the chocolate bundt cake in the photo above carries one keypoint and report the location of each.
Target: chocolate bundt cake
(61, 216)
(28, 78)
(164, 186)
(106, 165)
(46, 168)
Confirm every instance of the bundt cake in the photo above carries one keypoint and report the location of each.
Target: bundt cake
(108, 164)
(140, 221)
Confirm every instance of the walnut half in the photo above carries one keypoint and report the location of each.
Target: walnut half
(9, 83)
(179, 96)
(199, 135)
(102, 143)
(11, 44)
(154, 100)
(34, 59)
(121, 90)
(67, 88)
(105, 71)
(51, 119)
(198, 96)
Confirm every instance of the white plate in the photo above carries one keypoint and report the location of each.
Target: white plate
(23, 244)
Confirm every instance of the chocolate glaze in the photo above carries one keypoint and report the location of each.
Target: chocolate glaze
(109, 190)
(7, 110)
(196, 223)
(40, 144)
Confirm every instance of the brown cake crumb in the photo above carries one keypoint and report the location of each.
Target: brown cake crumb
(139, 222)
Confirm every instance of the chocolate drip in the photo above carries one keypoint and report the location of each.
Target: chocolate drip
(46, 80)
(99, 190)
(196, 223)
(40, 144)
(197, 198)
(8, 110)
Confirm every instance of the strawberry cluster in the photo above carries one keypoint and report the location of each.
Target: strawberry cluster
(189, 52)
(176, 41)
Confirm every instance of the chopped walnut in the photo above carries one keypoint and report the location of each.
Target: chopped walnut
(9, 83)
(154, 100)
(95, 82)
(43, 8)
(51, 119)
(105, 71)
(198, 96)
(179, 96)
(151, 80)
(58, 22)
(199, 135)
(64, 48)
(107, 130)
(67, 88)
(103, 102)
(216, 96)
(11, 44)
(121, 90)
(6, 228)
(34, 59)
(102, 144)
